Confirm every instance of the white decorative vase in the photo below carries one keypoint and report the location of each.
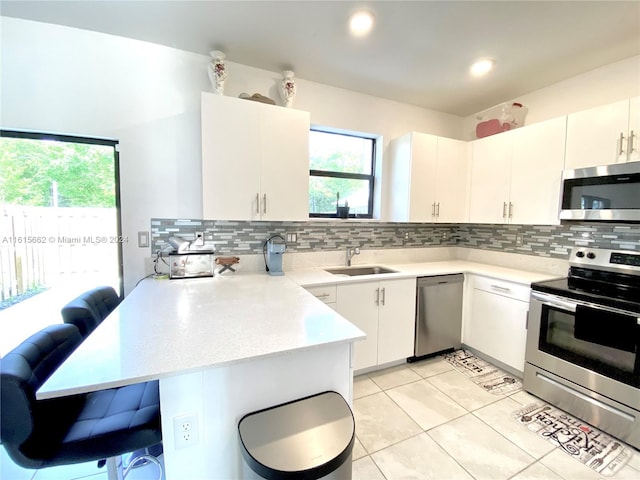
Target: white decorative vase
(288, 88)
(217, 71)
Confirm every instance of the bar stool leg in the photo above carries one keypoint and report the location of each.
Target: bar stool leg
(114, 472)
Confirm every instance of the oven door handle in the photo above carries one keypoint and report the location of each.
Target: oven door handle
(561, 303)
(555, 302)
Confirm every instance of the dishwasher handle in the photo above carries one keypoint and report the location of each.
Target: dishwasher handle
(440, 279)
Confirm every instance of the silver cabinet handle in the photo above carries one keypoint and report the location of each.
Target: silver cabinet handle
(264, 203)
(437, 209)
(322, 295)
(621, 143)
(631, 140)
(504, 209)
(502, 289)
(377, 296)
(510, 210)
(258, 203)
(383, 296)
(433, 209)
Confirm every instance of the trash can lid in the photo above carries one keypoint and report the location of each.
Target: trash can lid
(311, 436)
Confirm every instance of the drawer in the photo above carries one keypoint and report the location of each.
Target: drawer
(326, 293)
(501, 287)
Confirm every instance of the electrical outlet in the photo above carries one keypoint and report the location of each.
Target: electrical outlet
(143, 239)
(406, 235)
(518, 240)
(292, 237)
(185, 430)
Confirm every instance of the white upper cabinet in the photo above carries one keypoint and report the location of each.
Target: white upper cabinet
(603, 135)
(413, 177)
(451, 180)
(490, 178)
(536, 173)
(515, 176)
(284, 142)
(255, 160)
(428, 179)
(633, 148)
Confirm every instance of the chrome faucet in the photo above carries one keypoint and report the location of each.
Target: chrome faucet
(351, 251)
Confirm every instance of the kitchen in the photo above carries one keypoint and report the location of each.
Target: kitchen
(157, 120)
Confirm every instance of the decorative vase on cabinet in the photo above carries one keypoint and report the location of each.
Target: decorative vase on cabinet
(217, 71)
(288, 88)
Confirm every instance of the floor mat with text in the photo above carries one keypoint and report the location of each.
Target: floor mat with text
(595, 449)
(482, 373)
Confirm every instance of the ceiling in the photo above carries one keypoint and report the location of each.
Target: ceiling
(418, 53)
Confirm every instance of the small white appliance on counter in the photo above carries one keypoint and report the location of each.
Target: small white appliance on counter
(191, 264)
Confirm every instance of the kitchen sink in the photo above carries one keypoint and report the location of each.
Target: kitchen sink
(353, 271)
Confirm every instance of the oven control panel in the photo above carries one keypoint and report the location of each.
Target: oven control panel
(616, 260)
(623, 258)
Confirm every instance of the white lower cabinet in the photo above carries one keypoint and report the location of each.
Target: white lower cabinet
(385, 312)
(325, 293)
(497, 318)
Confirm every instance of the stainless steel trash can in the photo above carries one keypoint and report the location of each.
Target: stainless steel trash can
(310, 438)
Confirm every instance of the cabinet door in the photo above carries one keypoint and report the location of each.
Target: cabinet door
(593, 136)
(284, 144)
(230, 158)
(633, 150)
(399, 199)
(422, 193)
(490, 175)
(413, 178)
(357, 303)
(451, 180)
(498, 327)
(536, 172)
(396, 320)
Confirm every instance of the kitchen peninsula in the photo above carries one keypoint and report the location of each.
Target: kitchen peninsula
(221, 347)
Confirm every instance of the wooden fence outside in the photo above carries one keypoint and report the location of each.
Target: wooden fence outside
(40, 244)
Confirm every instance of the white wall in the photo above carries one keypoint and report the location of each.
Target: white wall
(65, 80)
(606, 84)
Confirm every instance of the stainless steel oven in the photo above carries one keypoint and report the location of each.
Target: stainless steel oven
(583, 341)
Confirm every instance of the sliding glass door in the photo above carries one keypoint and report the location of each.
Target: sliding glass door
(59, 225)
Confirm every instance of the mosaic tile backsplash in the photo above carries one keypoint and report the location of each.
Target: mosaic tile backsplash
(242, 238)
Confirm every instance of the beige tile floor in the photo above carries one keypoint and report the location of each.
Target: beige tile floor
(428, 421)
(419, 421)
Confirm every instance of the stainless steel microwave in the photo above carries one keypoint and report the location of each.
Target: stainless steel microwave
(606, 193)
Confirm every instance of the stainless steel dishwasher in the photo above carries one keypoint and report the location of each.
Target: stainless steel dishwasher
(438, 314)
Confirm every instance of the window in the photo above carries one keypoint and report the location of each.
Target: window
(341, 174)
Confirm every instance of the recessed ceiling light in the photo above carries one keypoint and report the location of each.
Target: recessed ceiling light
(361, 23)
(482, 67)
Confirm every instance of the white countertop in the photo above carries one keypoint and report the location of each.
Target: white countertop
(317, 276)
(169, 327)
